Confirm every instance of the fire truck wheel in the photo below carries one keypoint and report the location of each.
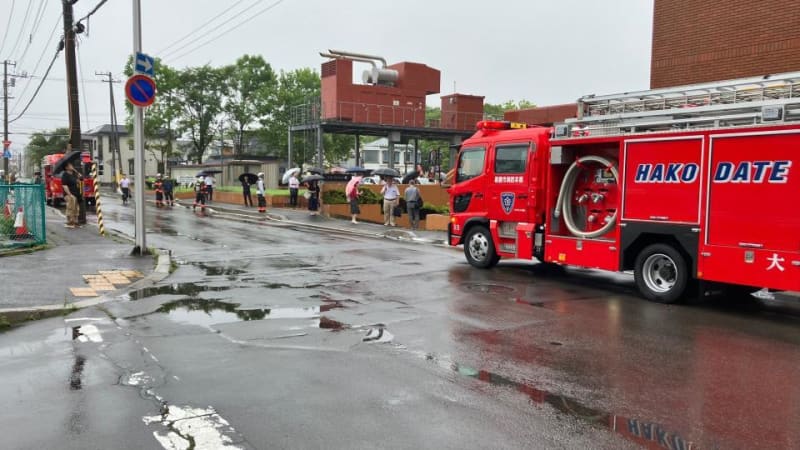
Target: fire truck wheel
(479, 248)
(661, 273)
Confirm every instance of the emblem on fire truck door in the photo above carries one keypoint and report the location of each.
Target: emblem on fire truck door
(507, 199)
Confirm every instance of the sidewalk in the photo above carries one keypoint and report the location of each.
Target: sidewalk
(74, 258)
(302, 217)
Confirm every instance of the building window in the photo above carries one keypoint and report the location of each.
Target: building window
(370, 156)
(130, 167)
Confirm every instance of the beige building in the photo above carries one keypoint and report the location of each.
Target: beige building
(100, 141)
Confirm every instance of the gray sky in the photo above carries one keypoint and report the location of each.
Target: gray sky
(544, 51)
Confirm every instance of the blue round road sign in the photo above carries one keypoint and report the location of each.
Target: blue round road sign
(140, 90)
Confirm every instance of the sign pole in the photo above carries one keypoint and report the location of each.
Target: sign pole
(138, 146)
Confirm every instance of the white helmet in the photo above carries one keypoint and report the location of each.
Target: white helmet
(260, 174)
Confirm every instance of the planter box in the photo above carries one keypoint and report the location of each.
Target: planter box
(437, 222)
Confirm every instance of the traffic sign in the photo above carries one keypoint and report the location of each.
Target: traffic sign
(140, 90)
(145, 65)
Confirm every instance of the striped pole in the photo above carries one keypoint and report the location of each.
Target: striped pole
(97, 207)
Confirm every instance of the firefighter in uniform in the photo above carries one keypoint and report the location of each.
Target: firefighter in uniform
(262, 202)
(158, 185)
(200, 194)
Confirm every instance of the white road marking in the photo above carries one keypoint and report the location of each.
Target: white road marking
(204, 426)
(78, 319)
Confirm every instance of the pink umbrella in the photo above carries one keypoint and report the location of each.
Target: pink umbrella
(352, 186)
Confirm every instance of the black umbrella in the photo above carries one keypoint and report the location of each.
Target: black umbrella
(315, 170)
(315, 177)
(386, 172)
(413, 175)
(250, 177)
(357, 170)
(73, 157)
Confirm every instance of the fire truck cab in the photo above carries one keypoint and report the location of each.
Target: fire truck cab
(54, 191)
(677, 185)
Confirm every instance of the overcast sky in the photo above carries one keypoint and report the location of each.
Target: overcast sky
(544, 51)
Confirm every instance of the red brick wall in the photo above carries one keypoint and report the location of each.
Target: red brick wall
(695, 41)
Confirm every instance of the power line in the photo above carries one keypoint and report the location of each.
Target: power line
(38, 62)
(203, 44)
(199, 27)
(37, 20)
(8, 25)
(83, 88)
(36, 92)
(217, 27)
(94, 10)
(21, 29)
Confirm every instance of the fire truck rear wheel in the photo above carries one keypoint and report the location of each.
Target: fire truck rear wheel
(479, 248)
(661, 273)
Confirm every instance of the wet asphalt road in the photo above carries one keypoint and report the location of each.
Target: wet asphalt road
(271, 336)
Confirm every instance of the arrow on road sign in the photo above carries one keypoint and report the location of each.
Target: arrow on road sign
(145, 64)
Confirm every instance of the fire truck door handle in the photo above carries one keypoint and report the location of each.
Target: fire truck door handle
(478, 195)
(522, 196)
(663, 218)
(750, 245)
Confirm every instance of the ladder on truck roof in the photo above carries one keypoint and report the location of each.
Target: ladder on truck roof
(747, 101)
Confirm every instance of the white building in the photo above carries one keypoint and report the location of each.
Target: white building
(375, 155)
(100, 140)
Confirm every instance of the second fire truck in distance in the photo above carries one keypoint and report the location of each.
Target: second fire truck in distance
(678, 185)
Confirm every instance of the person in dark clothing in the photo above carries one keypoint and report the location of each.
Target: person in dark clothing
(313, 199)
(72, 192)
(200, 194)
(169, 197)
(248, 199)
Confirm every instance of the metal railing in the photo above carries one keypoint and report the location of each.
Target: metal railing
(22, 219)
(314, 111)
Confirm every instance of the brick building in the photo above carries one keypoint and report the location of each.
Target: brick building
(696, 41)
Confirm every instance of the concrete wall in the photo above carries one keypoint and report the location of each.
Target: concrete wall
(696, 41)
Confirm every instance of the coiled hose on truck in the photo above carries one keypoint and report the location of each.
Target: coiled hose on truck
(565, 198)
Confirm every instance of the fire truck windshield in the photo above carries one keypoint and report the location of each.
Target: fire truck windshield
(470, 163)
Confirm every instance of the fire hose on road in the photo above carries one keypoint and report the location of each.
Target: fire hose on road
(565, 198)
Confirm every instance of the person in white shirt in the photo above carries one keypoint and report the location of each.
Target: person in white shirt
(125, 187)
(260, 191)
(391, 196)
(209, 182)
(294, 187)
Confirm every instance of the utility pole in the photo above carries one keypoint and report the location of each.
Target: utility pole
(138, 139)
(6, 63)
(72, 92)
(114, 144)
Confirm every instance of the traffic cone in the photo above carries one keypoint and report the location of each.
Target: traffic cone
(19, 225)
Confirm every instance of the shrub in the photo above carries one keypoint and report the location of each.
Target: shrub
(334, 197)
(368, 197)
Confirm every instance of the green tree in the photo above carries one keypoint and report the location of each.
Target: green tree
(496, 111)
(45, 143)
(295, 87)
(252, 90)
(200, 95)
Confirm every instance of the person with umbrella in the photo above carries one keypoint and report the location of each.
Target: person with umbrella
(247, 179)
(260, 191)
(352, 197)
(209, 182)
(70, 180)
(314, 192)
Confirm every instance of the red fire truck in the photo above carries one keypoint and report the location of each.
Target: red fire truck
(679, 185)
(54, 192)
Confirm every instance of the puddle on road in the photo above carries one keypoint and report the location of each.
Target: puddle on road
(645, 434)
(75, 378)
(194, 311)
(488, 288)
(216, 270)
(188, 289)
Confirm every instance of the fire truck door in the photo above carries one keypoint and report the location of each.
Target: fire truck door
(510, 195)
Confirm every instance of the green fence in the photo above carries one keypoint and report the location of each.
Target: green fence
(22, 220)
